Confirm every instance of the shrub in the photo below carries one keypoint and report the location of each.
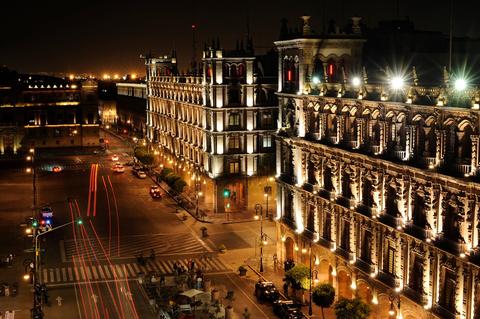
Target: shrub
(299, 277)
(179, 185)
(165, 172)
(351, 309)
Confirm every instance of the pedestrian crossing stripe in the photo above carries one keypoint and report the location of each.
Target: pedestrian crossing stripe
(124, 270)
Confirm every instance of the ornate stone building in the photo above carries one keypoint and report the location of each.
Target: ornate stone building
(220, 124)
(378, 182)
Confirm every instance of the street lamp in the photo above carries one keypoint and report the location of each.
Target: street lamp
(78, 221)
(259, 215)
(391, 311)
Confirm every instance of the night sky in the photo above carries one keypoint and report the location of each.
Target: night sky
(108, 36)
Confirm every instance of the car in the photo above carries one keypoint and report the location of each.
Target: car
(266, 290)
(130, 163)
(136, 168)
(56, 169)
(155, 192)
(114, 157)
(119, 168)
(286, 309)
(141, 174)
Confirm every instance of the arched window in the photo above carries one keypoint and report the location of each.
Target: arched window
(233, 70)
(241, 70)
(332, 71)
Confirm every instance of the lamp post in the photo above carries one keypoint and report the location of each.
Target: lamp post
(259, 215)
(392, 297)
(267, 191)
(37, 244)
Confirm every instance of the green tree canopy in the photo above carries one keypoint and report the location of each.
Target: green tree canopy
(299, 277)
(323, 296)
(351, 309)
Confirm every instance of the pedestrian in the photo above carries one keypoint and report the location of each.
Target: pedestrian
(246, 314)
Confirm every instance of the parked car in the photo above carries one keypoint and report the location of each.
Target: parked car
(266, 290)
(155, 192)
(130, 163)
(114, 157)
(287, 309)
(141, 174)
(136, 168)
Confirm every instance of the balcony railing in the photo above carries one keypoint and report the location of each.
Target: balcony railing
(464, 169)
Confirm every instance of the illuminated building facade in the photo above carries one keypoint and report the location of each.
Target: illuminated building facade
(48, 112)
(220, 123)
(132, 107)
(378, 182)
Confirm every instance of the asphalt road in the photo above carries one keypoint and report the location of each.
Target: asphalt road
(90, 269)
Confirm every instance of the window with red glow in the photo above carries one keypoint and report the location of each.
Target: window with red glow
(330, 69)
(289, 75)
(209, 71)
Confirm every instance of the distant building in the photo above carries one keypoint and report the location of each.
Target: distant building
(47, 112)
(131, 111)
(218, 127)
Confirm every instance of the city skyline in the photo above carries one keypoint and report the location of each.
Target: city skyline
(54, 38)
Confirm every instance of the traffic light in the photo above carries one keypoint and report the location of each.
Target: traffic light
(79, 221)
(226, 193)
(34, 223)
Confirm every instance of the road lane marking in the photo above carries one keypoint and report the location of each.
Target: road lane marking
(89, 274)
(52, 275)
(130, 268)
(64, 274)
(57, 272)
(137, 269)
(107, 272)
(100, 270)
(94, 271)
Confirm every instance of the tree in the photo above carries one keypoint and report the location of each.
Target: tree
(323, 296)
(299, 277)
(351, 309)
(179, 185)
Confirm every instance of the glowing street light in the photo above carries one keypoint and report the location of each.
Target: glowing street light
(460, 84)
(396, 83)
(316, 80)
(356, 81)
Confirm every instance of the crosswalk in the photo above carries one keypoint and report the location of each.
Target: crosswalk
(100, 272)
(131, 246)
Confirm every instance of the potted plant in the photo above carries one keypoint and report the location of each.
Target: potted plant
(242, 270)
(324, 296)
(222, 248)
(351, 308)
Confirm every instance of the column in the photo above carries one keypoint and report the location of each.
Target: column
(427, 289)
(352, 238)
(459, 293)
(474, 156)
(398, 263)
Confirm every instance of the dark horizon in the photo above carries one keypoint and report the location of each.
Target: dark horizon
(108, 37)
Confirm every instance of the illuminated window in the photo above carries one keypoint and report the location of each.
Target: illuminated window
(289, 75)
(234, 142)
(234, 119)
(267, 141)
(234, 167)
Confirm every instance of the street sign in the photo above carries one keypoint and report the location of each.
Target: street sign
(59, 300)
